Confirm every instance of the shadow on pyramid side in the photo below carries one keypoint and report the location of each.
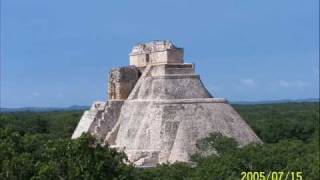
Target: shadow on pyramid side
(158, 109)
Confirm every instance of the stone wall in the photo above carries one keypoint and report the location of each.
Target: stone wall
(107, 119)
(122, 81)
(100, 119)
(89, 119)
(157, 52)
(167, 56)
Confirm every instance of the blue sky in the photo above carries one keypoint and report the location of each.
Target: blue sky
(58, 53)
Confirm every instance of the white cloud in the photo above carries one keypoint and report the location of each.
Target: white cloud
(300, 84)
(283, 83)
(248, 82)
(290, 84)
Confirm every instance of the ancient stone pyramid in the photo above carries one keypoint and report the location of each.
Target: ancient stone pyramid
(158, 108)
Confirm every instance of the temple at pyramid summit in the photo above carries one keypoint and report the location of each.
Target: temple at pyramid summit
(158, 108)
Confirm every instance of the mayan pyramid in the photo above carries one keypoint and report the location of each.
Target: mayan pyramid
(158, 108)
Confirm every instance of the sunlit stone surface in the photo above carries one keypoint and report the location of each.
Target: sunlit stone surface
(158, 108)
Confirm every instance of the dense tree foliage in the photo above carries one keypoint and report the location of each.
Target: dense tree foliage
(273, 123)
(38, 146)
(39, 157)
(56, 124)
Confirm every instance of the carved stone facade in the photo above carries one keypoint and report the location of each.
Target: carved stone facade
(155, 52)
(122, 81)
(158, 108)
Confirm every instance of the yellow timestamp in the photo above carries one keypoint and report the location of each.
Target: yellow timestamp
(272, 176)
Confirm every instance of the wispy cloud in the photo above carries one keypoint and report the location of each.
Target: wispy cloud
(248, 82)
(283, 83)
(290, 84)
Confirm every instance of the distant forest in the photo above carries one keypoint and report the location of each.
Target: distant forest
(37, 145)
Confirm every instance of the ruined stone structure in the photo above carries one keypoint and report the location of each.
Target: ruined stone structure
(156, 52)
(158, 108)
(122, 81)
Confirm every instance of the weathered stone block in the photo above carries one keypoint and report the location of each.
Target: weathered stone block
(122, 81)
(156, 52)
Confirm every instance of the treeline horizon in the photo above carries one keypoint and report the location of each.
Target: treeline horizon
(38, 145)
